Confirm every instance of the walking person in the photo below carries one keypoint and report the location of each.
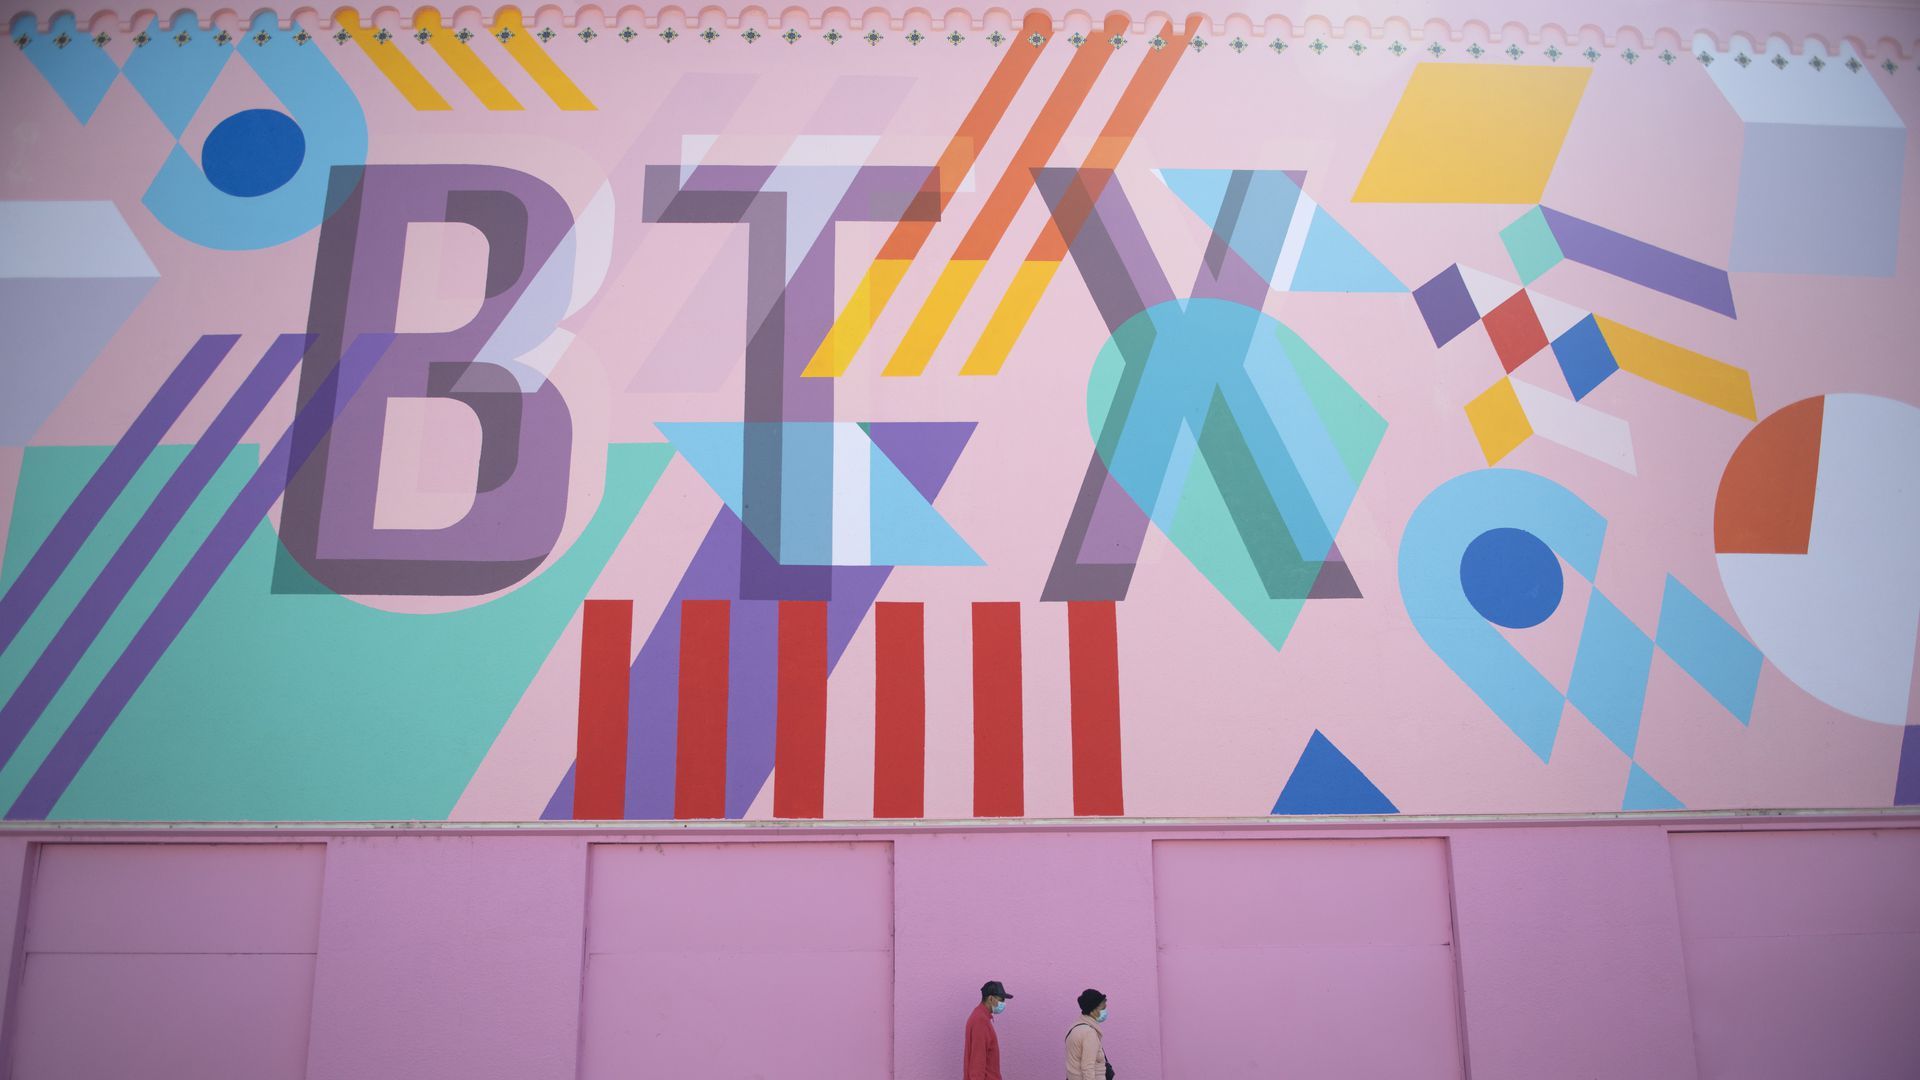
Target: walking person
(1086, 1046)
(981, 1058)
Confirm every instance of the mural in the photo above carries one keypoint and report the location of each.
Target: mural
(507, 416)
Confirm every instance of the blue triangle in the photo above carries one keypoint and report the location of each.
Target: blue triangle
(1325, 782)
(80, 75)
(1645, 793)
(716, 451)
(174, 79)
(1203, 190)
(1333, 261)
(907, 530)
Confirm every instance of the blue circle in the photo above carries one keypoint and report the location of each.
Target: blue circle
(1511, 577)
(253, 152)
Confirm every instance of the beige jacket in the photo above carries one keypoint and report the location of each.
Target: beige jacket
(1086, 1053)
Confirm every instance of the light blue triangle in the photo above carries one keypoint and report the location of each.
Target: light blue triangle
(1645, 793)
(174, 79)
(1333, 261)
(716, 451)
(907, 530)
(1325, 781)
(81, 73)
(1203, 190)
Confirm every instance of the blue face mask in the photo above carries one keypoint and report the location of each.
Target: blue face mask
(999, 1007)
(1103, 1014)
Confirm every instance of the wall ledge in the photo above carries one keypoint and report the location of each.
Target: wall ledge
(654, 831)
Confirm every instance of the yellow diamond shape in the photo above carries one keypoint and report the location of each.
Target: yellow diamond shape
(1467, 133)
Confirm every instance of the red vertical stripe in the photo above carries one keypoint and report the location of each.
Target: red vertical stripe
(600, 755)
(1093, 647)
(899, 711)
(800, 726)
(998, 780)
(700, 762)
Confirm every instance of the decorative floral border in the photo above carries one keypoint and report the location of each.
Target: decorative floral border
(996, 27)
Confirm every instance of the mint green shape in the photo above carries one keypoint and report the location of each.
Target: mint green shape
(1204, 531)
(1355, 426)
(271, 706)
(49, 478)
(1531, 246)
(1203, 527)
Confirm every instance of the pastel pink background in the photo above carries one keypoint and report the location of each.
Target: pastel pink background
(1213, 717)
(1721, 948)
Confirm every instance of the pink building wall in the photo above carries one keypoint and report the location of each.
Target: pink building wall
(1616, 292)
(1720, 948)
(1580, 389)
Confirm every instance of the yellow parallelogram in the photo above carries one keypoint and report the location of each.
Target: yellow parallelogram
(392, 63)
(1010, 317)
(531, 55)
(935, 316)
(467, 67)
(1683, 371)
(1498, 421)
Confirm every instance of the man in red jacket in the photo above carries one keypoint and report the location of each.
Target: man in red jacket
(982, 1056)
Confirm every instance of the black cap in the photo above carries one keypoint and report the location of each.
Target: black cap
(994, 989)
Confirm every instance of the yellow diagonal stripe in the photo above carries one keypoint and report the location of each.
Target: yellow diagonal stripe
(528, 54)
(465, 65)
(1684, 371)
(392, 63)
(1498, 421)
(1003, 329)
(930, 325)
(856, 319)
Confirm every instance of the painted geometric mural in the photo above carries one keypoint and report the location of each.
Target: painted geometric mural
(520, 415)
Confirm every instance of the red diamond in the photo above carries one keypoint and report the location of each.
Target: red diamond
(1515, 331)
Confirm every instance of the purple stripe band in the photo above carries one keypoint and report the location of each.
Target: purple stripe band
(83, 515)
(196, 580)
(84, 623)
(1641, 263)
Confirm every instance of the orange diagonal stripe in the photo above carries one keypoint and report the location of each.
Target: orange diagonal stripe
(1135, 102)
(1050, 247)
(903, 244)
(990, 225)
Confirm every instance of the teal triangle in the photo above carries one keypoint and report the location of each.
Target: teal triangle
(907, 530)
(1645, 793)
(1203, 190)
(715, 450)
(1326, 782)
(1333, 261)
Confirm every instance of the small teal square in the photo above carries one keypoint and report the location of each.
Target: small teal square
(1531, 246)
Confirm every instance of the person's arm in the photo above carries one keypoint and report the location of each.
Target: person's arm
(976, 1062)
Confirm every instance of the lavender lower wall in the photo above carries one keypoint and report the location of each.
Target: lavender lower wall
(1647, 948)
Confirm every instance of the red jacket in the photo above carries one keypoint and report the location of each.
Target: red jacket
(982, 1058)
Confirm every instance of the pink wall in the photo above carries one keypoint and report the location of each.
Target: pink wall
(1684, 947)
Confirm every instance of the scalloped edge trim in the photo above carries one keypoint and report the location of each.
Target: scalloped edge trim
(903, 19)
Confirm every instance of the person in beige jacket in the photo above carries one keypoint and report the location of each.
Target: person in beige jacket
(1086, 1047)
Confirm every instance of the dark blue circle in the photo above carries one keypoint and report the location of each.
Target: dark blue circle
(253, 152)
(1511, 577)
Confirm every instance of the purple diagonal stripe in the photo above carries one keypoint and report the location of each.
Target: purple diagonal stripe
(83, 514)
(84, 623)
(1641, 263)
(203, 569)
